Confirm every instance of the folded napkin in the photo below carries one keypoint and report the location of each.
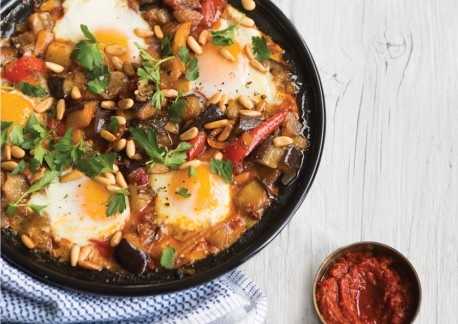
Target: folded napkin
(232, 298)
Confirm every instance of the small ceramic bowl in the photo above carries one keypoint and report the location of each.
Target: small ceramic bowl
(403, 267)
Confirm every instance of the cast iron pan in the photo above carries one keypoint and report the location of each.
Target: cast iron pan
(272, 21)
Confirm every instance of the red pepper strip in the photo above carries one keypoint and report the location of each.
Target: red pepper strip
(241, 147)
(198, 146)
(211, 11)
(24, 69)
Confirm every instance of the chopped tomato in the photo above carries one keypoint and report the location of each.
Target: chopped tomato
(198, 146)
(24, 69)
(103, 247)
(211, 11)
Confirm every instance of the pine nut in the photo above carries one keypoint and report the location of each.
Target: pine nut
(89, 265)
(121, 120)
(194, 45)
(188, 164)
(113, 188)
(249, 113)
(120, 145)
(248, 5)
(158, 168)
(224, 135)
(115, 168)
(281, 141)
(261, 106)
(217, 124)
(214, 144)
(104, 180)
(227, 54)
(158, 31)
(247, 22)
(246, 102)
(117, 63)
(9, 165)
(115, 239)
(108, 136)
(108, 104)
(54, 67)
(72, 175)
(234, 13)
(215, 132)
(249, 52)
(110, 176)
(137, 157)
(75, 255)
(258, 66)
(223, 102)
(85, 251)
(120, 180)
(215, 98)
(75, 93)
(143, 33)
(203, 37)
(130, 148)
(218, 156)
(169, 93)
(171, 128)
(27, 241)
(60, 109)
(126, 103)
(17, 152)
(128, 69)
(44, 105)
(115, 50)
(189, 134)
(7, 152)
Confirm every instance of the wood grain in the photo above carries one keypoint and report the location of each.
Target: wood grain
(389, 170)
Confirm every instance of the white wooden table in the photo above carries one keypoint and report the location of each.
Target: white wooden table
(390, 167)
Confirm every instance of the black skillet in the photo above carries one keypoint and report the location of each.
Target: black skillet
(272, 21)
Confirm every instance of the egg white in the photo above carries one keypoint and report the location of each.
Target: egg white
(216, 74)
(101, 15)
(209, 201)
(69, 219)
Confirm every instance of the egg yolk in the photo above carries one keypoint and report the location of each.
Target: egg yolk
(198, 185)
(14, 107)
(107, 37)
(93, 198)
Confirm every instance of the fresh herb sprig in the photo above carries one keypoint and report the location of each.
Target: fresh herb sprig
(223, 168)
(260, 49)
(192, 68)
(89, 56)
(168, 257)
(32, 90)
(176, 109)
(150, 71)
(183, 192)
(224, 37)
(117, 203)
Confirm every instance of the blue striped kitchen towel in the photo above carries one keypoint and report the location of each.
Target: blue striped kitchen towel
(233, 298)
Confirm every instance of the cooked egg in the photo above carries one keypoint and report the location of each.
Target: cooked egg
(191, 202)
(77, 211)
(111, 21)
(15, 107)
(233, 78)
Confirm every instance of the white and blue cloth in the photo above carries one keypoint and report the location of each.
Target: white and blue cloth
(233, 298)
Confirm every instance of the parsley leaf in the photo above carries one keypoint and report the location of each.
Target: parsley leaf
(176, 109)
(19, 169)
(44, 181)
(192, 68)
(96, 164)
(224, 37)
(260, 48)
(17, 135)
(223, 168)
(168, 257)
(177, 157)
(4, 132)
(192, 171)
(37, 208)
(117, 203)
(64, 153)
(166, 46)
(32, 90)
(146, 139)
(183, 192)
(88, 55)
(113, 125)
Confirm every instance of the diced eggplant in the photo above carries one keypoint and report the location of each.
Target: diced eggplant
(130, 258)
(246, 123)
(193, 107)
(269, 155)
(118, 81)
(268, 178)
(252, 199)
(14, 187)
(291, 126)
(56, 86)
(292, 159)
(212, 113)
